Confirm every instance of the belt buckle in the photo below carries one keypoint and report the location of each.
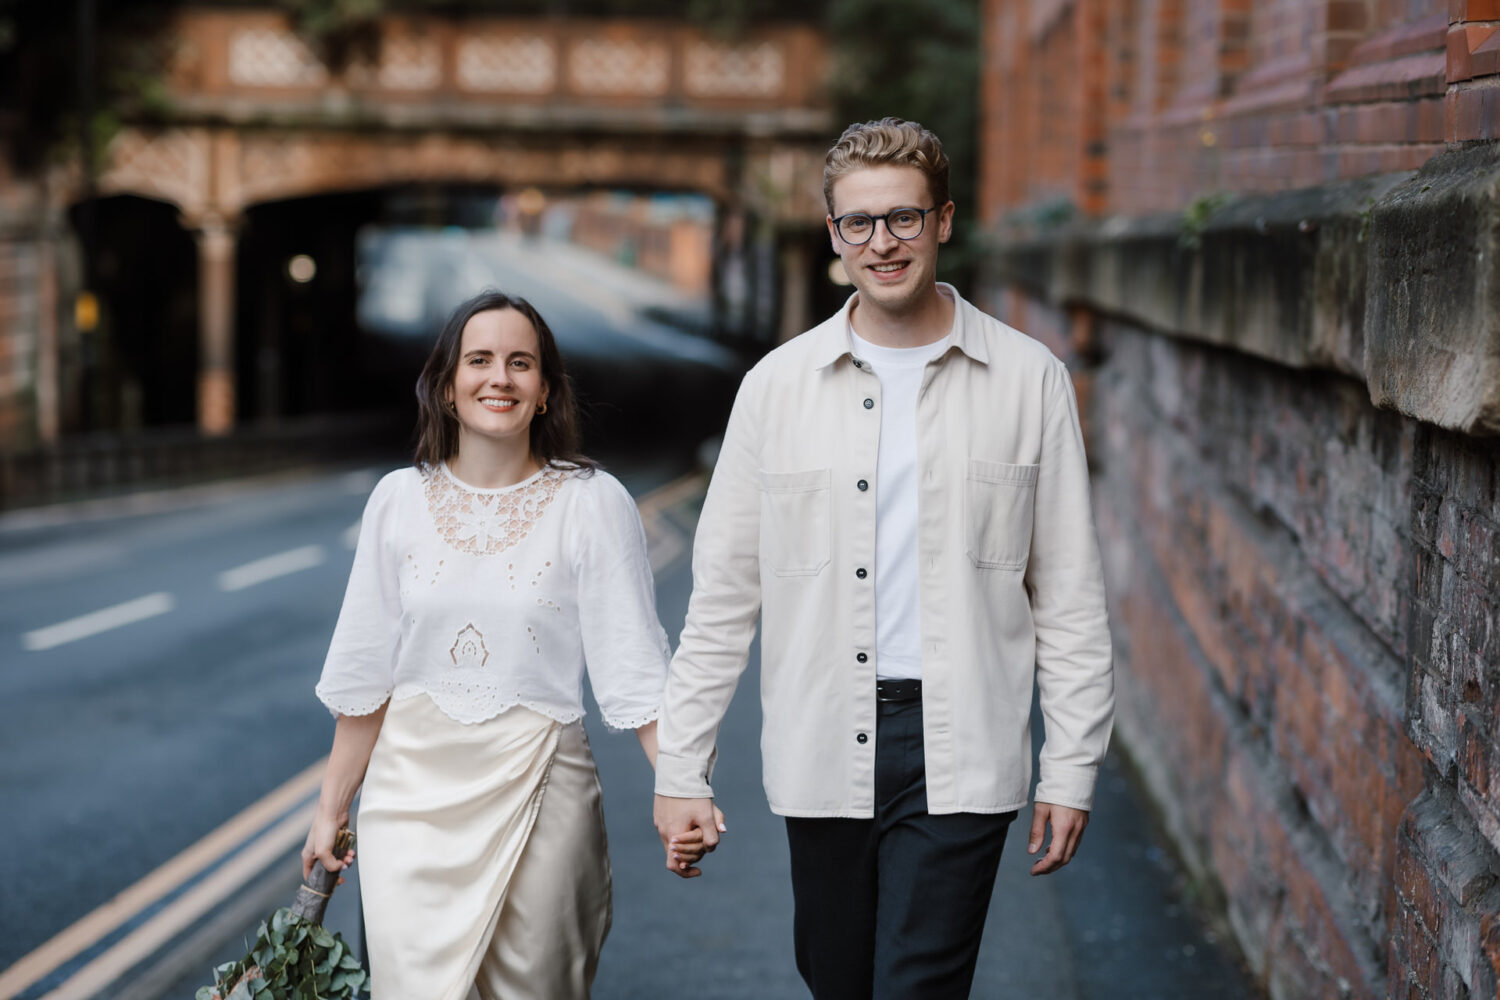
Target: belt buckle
(898, 690)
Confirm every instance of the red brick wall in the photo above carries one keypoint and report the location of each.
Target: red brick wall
(1187, 99)
(1305, 589)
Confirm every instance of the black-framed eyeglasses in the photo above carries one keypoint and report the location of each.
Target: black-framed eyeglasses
(857, 228)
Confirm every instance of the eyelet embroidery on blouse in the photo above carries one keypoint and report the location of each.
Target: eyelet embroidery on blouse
(468, 649)
(414, 570)
(486, 523)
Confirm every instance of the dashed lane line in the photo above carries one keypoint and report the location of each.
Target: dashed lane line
(95, 622)
(269, 568)
(109, 917)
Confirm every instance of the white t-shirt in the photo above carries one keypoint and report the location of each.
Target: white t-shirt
(898, 619)
(488, 598)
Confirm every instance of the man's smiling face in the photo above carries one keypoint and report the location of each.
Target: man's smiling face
(892, 275)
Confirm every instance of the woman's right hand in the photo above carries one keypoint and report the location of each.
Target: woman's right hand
(319, 845)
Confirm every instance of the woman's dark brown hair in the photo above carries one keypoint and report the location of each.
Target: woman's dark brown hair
(554, 434)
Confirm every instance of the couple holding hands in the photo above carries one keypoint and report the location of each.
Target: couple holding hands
(901, 502)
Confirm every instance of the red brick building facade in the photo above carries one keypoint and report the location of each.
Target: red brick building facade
(1267, 238)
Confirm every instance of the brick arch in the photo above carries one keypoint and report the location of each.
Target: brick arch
(220, 172)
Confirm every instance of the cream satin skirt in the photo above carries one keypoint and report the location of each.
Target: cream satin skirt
(483, 863)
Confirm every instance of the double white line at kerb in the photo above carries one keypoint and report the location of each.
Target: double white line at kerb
(289, 811)
(665, 543)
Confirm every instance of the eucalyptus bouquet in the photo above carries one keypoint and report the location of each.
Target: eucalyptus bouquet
(294, 957)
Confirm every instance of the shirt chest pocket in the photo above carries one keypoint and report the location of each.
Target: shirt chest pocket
(795, 521)
(1000, 500)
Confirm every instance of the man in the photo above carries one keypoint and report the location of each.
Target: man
(902, 499)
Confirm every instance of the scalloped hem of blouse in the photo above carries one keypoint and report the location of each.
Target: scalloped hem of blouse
(630, 725)
(337, 708)
(474, 718)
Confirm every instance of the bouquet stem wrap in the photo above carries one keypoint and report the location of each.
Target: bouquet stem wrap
(314, 892)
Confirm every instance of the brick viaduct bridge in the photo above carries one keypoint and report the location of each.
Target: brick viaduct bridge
(255, 116)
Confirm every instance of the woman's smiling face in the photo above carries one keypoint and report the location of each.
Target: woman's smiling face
(498, 383)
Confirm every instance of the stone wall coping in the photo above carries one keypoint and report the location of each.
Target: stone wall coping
(1393, 280)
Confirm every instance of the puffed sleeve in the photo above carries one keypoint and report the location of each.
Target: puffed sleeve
(624, 646)
(357, 674)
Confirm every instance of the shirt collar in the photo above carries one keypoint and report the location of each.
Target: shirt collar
(832, 335)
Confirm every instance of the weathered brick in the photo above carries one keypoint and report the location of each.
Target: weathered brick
(1417, 893)
(1489, 944)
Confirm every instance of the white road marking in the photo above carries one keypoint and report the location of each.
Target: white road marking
(269, 568)
(98, 621)
(106, 919)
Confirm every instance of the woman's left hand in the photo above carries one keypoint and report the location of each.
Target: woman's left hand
(688, 848)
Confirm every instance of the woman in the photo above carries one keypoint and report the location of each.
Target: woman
(485, 579)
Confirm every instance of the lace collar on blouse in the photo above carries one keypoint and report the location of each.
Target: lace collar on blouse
(483, 522)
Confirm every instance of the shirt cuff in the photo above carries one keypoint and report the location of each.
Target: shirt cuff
(684, 777)
(1064, 785)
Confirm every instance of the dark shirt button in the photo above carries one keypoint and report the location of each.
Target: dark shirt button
(862, 485)
(858, 363)
(861, 738)
(861, 573)
(869, 404)
(861, 657)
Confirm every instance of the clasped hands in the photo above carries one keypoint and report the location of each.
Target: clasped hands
(689, 829)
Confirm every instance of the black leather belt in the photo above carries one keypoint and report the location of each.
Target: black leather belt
(903, 690)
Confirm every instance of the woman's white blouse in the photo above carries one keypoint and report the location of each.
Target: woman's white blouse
(484, 599)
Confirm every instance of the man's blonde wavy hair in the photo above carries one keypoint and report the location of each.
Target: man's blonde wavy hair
(889, 141)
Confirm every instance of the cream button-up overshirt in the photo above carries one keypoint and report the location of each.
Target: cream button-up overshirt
(1011, 585)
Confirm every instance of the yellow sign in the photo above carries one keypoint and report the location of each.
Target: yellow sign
(86, 312)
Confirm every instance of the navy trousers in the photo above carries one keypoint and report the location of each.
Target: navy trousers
(893, 908)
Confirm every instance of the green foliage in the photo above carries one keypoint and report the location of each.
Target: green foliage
(42, 78)
(291, 959)
(1196, 216)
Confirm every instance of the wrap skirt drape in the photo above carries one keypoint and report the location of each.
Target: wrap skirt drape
(483, 862)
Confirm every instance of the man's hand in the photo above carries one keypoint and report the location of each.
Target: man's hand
(687, 826)
(1067, 832)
